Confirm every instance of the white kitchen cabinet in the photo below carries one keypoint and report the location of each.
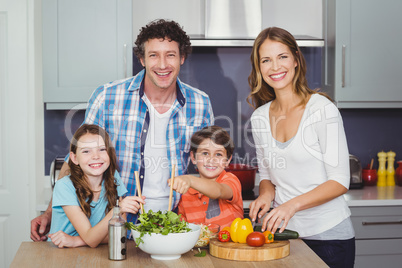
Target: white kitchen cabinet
(363, 58)
(378, 236)
(302, 18)
(85, 44)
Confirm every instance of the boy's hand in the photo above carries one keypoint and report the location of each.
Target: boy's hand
(181, 183)
(131, 204)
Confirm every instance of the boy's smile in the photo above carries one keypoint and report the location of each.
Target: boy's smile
(210, 159)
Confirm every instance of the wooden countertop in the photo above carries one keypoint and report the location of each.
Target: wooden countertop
(45, 254)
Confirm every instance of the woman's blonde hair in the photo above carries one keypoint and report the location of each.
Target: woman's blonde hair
(83, 190)
(261, 92)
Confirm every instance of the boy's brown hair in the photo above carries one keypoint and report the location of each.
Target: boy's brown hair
(217, 134)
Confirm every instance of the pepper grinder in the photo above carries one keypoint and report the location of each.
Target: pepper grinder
(390, 169)
(382, 174)
(117, 235)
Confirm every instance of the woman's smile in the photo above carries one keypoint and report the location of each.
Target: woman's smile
(277, 65)
(278, 77)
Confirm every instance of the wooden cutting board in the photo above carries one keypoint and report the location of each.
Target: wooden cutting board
(243, 252)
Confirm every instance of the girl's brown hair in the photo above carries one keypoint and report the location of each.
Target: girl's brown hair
(261, 92)
(83, 190)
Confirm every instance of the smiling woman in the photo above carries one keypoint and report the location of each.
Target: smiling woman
(304, 128)
(277, 64)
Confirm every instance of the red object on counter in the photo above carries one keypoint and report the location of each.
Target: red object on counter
(224, 236)
(255, 239)
(370, 177)
(398, 174)
(245, 174)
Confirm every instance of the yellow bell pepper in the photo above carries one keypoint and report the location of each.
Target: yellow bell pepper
(240, 229)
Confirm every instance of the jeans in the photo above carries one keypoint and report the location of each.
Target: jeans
(335, 253)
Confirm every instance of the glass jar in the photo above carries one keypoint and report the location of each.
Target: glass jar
(398, 174)
(369, 177)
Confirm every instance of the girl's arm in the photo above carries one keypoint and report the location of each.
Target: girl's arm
(207, 187)
(61, 239)
(93, 236)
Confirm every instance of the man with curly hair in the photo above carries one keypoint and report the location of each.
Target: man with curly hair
(150, 118)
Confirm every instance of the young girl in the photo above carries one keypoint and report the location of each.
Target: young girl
(83, 201)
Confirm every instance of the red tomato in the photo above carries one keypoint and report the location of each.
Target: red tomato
(255, 239)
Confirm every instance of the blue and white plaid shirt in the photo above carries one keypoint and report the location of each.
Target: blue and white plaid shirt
(120, 109)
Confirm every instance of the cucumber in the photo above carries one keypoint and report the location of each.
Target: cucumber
(285, 235)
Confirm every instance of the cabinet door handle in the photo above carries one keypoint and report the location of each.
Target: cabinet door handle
(125, 59)
(343, 64)
(381, 222)
(52, 178)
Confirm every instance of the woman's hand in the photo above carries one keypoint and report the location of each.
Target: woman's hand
(131, 204)
(276, 216)
(61, 240)
(181, 184)
(323, 193)
(261, 205)
(263, 202)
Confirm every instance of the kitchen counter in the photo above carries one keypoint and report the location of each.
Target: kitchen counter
(367, 196)
(375, 196)
(45, 254)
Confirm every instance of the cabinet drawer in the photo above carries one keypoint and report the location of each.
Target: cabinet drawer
(376, 253)
(377, 222)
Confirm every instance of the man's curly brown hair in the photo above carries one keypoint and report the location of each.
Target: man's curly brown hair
(162, 29)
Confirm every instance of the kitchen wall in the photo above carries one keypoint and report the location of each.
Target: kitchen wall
(222, 73)
(370, 131)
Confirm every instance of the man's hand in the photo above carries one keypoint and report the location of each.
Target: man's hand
(40, 226)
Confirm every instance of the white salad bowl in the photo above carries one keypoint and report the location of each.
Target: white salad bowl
(170, 246)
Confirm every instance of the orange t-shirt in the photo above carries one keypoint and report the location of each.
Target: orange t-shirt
(193, 205)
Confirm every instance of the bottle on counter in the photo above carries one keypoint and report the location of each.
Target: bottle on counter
(117, 235)
(398, 173)
(390, 169)
(382, 173)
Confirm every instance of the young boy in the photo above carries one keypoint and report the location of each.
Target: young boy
(214, 196)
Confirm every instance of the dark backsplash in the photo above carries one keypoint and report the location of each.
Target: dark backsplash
(222, 73)
(370, 131)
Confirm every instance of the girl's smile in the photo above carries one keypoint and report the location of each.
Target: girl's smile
(91, 156)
